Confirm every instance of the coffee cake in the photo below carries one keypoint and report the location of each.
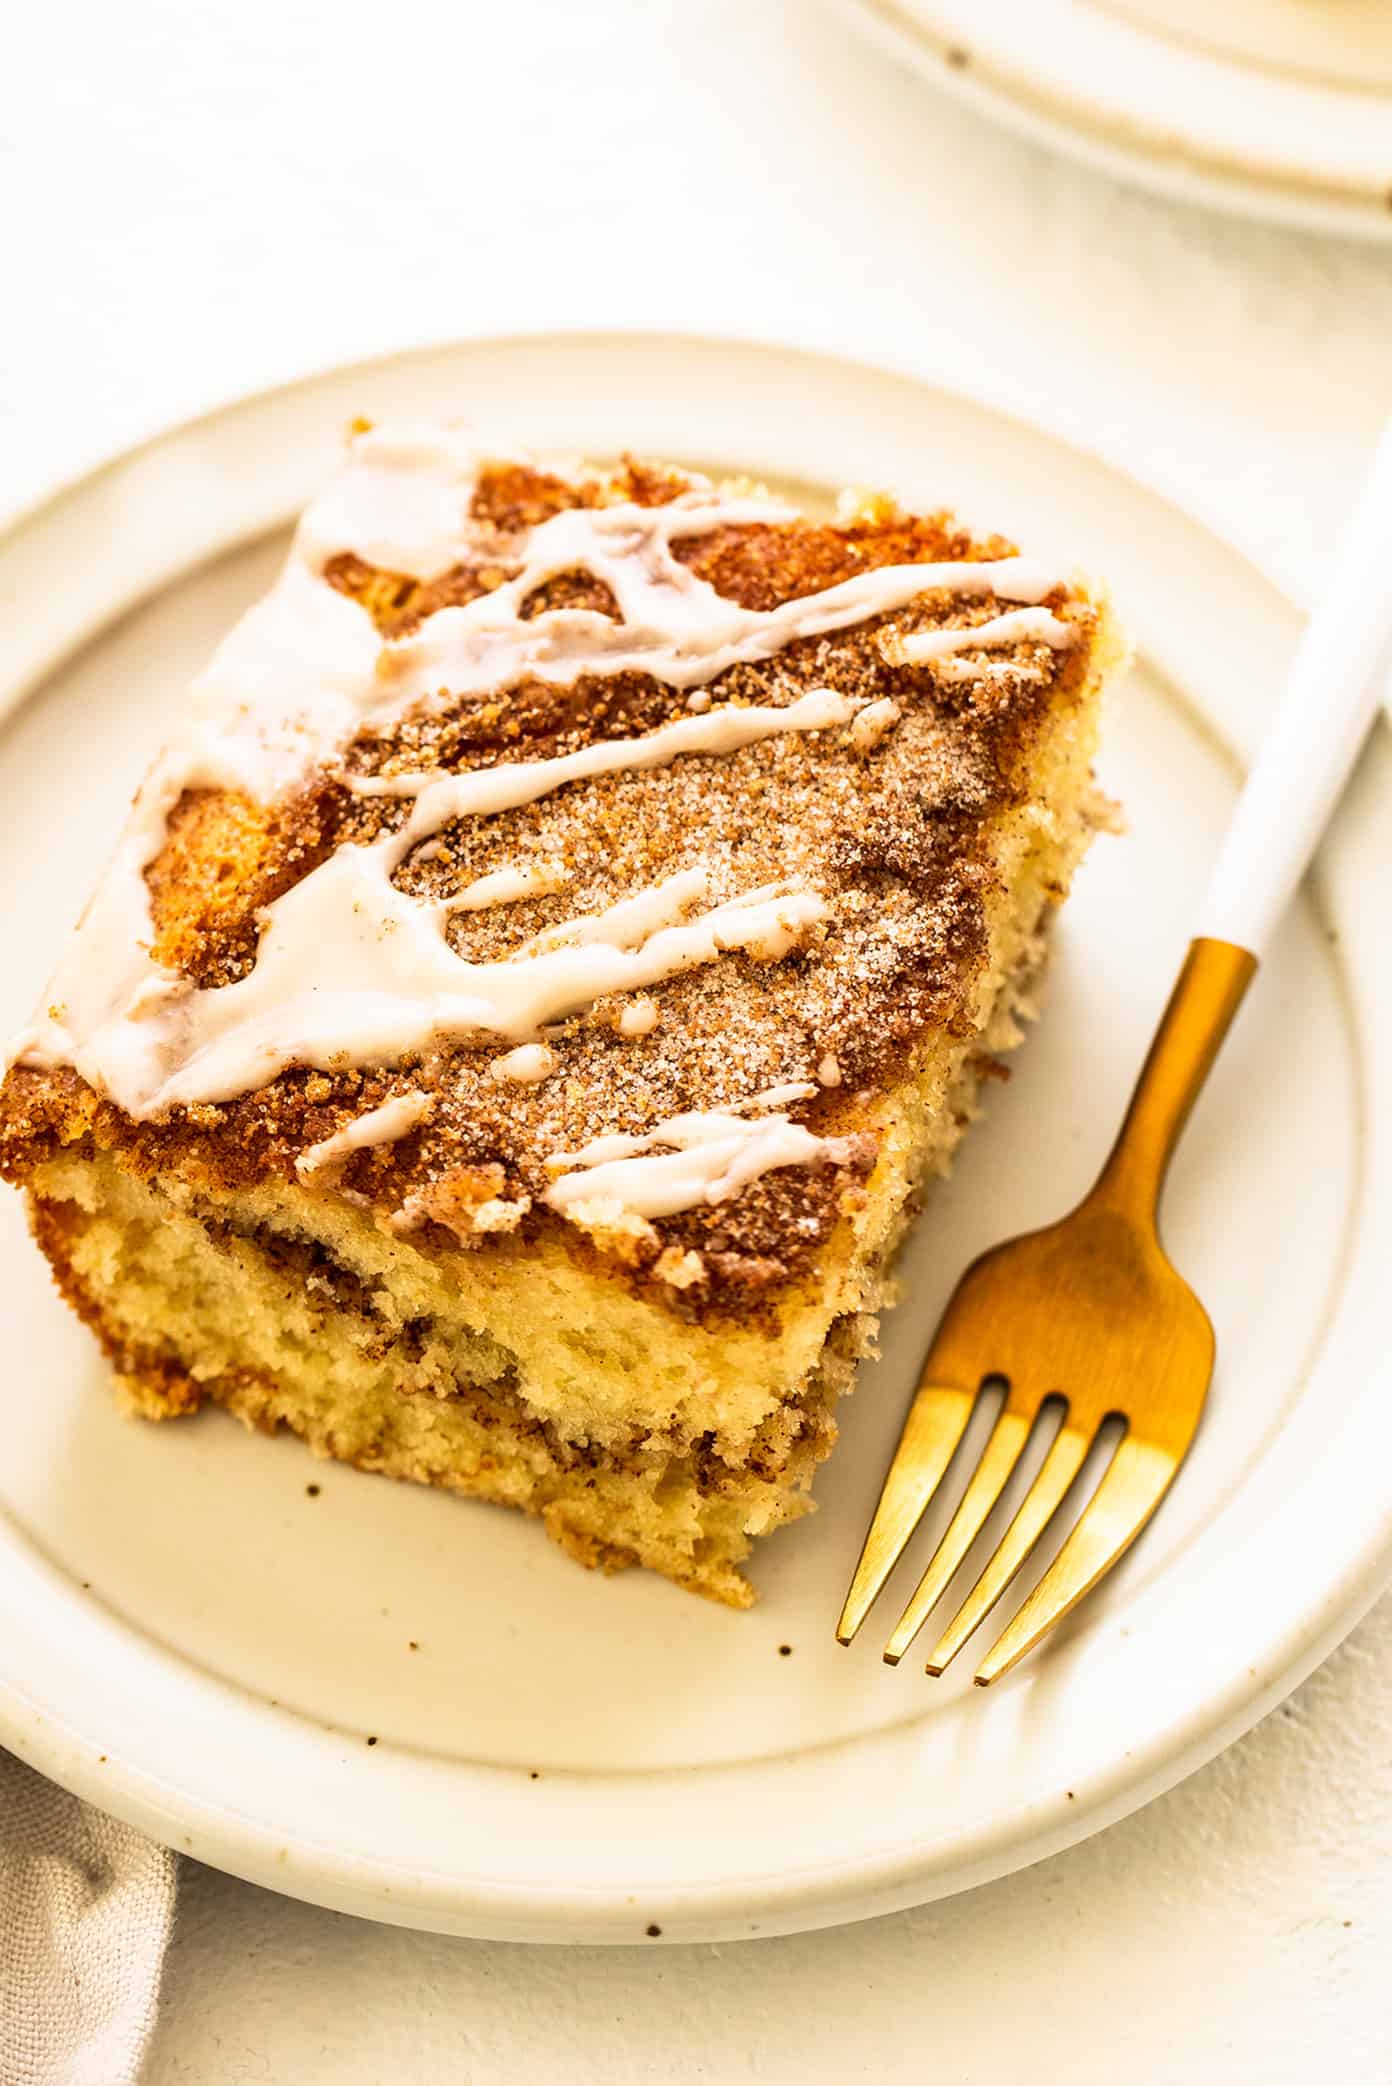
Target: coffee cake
(534, 985)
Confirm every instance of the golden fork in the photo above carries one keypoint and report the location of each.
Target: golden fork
(1089, 1312)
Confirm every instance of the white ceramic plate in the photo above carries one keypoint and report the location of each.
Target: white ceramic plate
(190, 1639)
(1279, 108)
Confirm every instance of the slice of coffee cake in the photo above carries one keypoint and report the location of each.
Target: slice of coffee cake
(530, 990)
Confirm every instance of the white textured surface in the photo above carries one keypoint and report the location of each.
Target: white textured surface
(1237, 1929)
(206, 200)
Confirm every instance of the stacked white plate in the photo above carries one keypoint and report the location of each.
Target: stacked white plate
(1281, 108)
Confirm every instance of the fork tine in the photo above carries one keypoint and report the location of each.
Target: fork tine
(1132, 1488)
(989, 1479)
(1057, 1472)
(936, 1422)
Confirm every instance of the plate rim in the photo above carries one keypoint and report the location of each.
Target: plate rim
(794, 1902)
(927, 35)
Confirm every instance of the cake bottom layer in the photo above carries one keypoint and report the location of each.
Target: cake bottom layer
(195, 1309)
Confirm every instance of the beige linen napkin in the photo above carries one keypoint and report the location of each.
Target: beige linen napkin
(85, 1912)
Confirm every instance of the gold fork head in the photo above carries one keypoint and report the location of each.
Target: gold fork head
(1089, 1313)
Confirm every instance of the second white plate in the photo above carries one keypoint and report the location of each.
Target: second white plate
(418, 1710)
(1276, 108)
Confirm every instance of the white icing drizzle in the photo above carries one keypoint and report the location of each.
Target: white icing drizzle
(503, 887)
(638, 1018)
(401, 501)
(711, 1155)
(1020, 626)
(630, 921)
(774, 1097)
(621, 1144)
(379, 1126)
(288, 685)
(483, 792)
(674, 626)
(871, 724)
(349, 969)
(528, 1065)
(964, 668)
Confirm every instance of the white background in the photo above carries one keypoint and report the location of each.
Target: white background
(204, 198)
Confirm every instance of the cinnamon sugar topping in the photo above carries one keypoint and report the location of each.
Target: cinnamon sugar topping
(724, 835)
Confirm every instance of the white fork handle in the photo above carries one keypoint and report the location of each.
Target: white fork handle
(1330, 698)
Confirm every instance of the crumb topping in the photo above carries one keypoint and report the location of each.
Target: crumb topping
(890, 819)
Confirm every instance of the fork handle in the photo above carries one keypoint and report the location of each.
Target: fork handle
(1207, 994)
(1330, 698)
(1323, 717)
